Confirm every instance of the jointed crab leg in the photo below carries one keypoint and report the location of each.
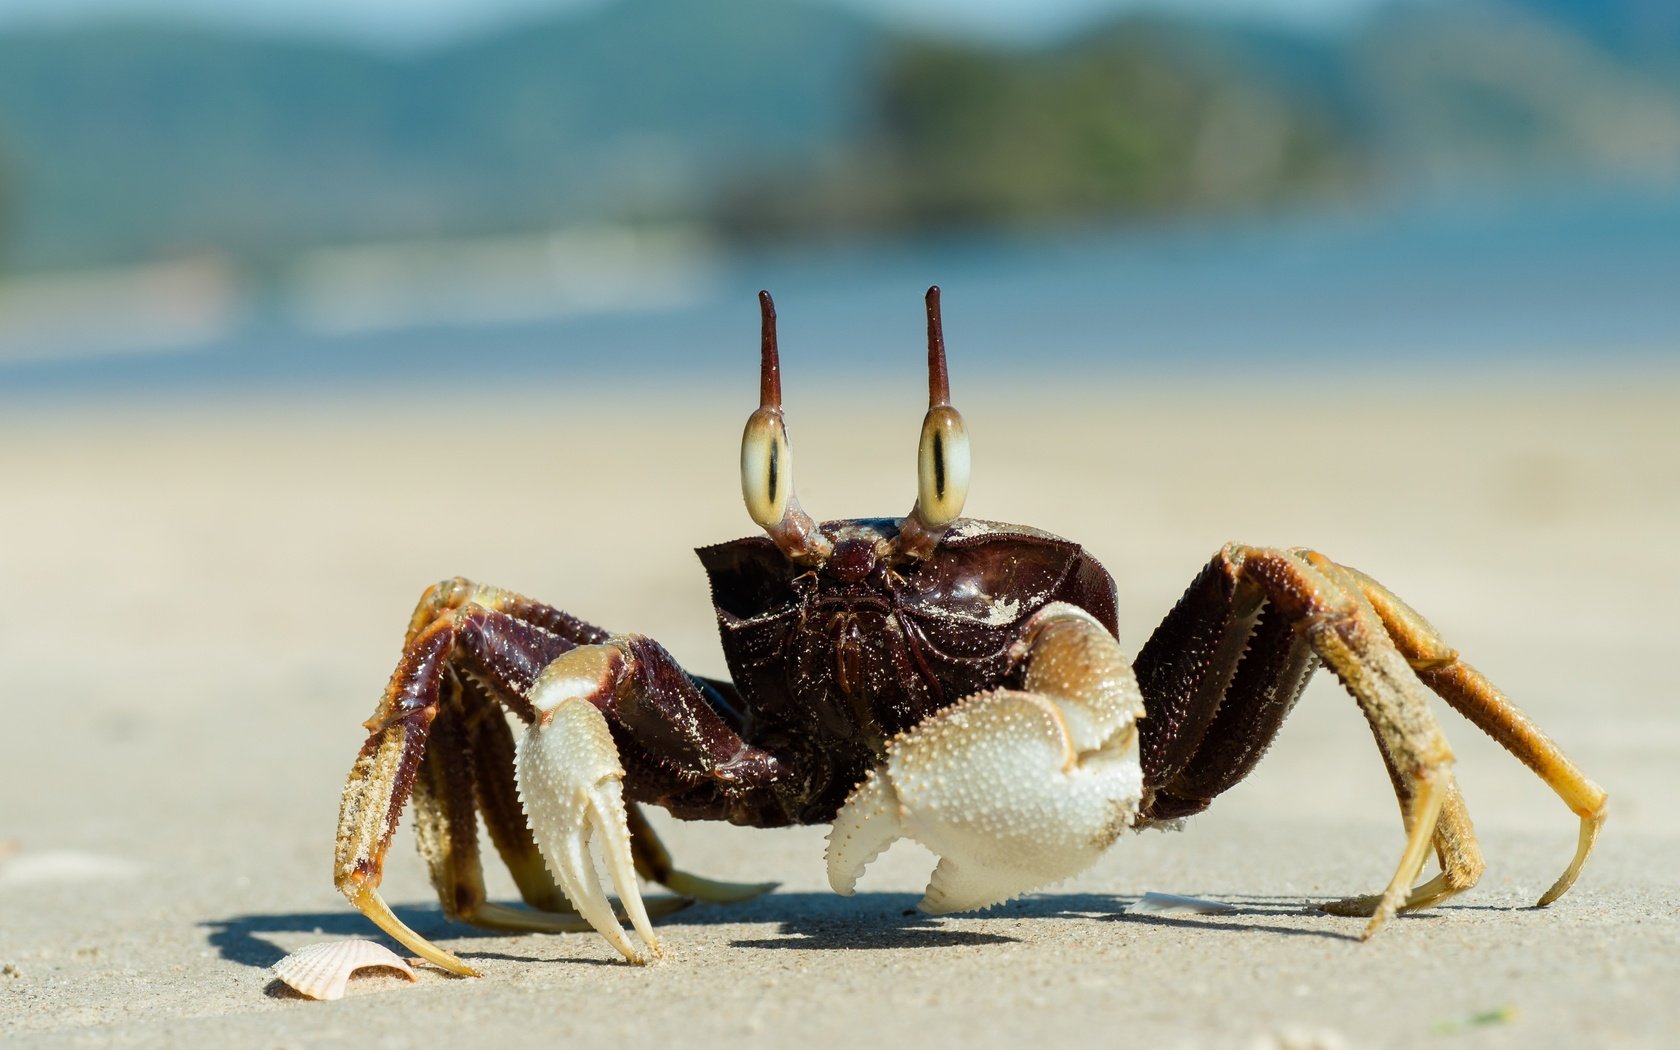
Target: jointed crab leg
(1194, 660)
(1223, 648)
(491, 747)
(467, 646)
(1455, 847)
(1472, 695)
(469, 759)
(446, 827)
(1202, 690)
(385, 772)
(571, 773)
(1252, 686)
(1236, 641)
(653, 863)
(1347, 637)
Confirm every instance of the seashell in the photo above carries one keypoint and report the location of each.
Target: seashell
(321, 971)
(1172, 904)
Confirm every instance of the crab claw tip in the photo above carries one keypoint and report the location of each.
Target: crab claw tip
(866, 825)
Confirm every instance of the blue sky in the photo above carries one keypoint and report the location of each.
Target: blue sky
(426, 21)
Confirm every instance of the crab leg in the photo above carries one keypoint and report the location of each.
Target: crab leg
(446, 825)
(491, 748)
(385, 772)
(1219, 675)
(1353, 644)
(446, 829)
(463, 658)
(1273, 663)
(1348, 637)
(1013, 788)
(1472, 695)
(571, 775)
(653, 863)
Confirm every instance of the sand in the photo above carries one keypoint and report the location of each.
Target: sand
(203, 601)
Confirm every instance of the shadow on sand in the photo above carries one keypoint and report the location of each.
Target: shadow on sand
(810, 921)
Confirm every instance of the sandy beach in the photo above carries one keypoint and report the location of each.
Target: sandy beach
(204, 600)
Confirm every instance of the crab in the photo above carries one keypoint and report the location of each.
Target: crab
(947, 680)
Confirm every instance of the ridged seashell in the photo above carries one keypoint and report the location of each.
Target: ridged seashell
(321, 971)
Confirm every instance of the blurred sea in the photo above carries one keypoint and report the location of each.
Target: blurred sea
(1539, 284)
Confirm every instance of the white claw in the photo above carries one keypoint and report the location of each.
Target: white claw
(866, 826)
(996, 787)
(570, 782)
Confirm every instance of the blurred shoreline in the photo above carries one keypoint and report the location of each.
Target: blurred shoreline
(1568, 284)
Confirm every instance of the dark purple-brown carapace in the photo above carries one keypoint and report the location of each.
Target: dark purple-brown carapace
(952, 681)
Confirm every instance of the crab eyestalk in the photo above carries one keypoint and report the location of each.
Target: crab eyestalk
(942, 458)
(767, 460)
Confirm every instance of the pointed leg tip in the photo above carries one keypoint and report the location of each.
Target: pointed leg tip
(1378, 921)
(1559, 888)
(446, 962)
(714, 891)
(1590, 825)
(365, 896)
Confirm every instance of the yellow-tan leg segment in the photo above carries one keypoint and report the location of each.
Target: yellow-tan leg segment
(1349, 639)
(1455, 848)
(372, 801)
(1472, 695)
(653, 863)
(1455, 839)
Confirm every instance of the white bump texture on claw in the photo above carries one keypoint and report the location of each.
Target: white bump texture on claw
(995, 786)
(322, 971)
(570, 785)
(865, 826)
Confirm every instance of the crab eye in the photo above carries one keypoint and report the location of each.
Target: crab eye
(766, 467)
(942, 467)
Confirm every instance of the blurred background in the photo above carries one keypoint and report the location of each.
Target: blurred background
(306, 304)
(199, 194)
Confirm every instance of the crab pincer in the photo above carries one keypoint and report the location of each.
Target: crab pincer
(571, 784)
(1013, 789)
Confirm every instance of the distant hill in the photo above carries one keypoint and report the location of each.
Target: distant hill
(1150, 115)
(782, 117)
(1646, 32)
(131, 139)
(1490, 92)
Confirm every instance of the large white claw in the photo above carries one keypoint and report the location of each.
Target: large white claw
(997, 787)
(570, 784)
